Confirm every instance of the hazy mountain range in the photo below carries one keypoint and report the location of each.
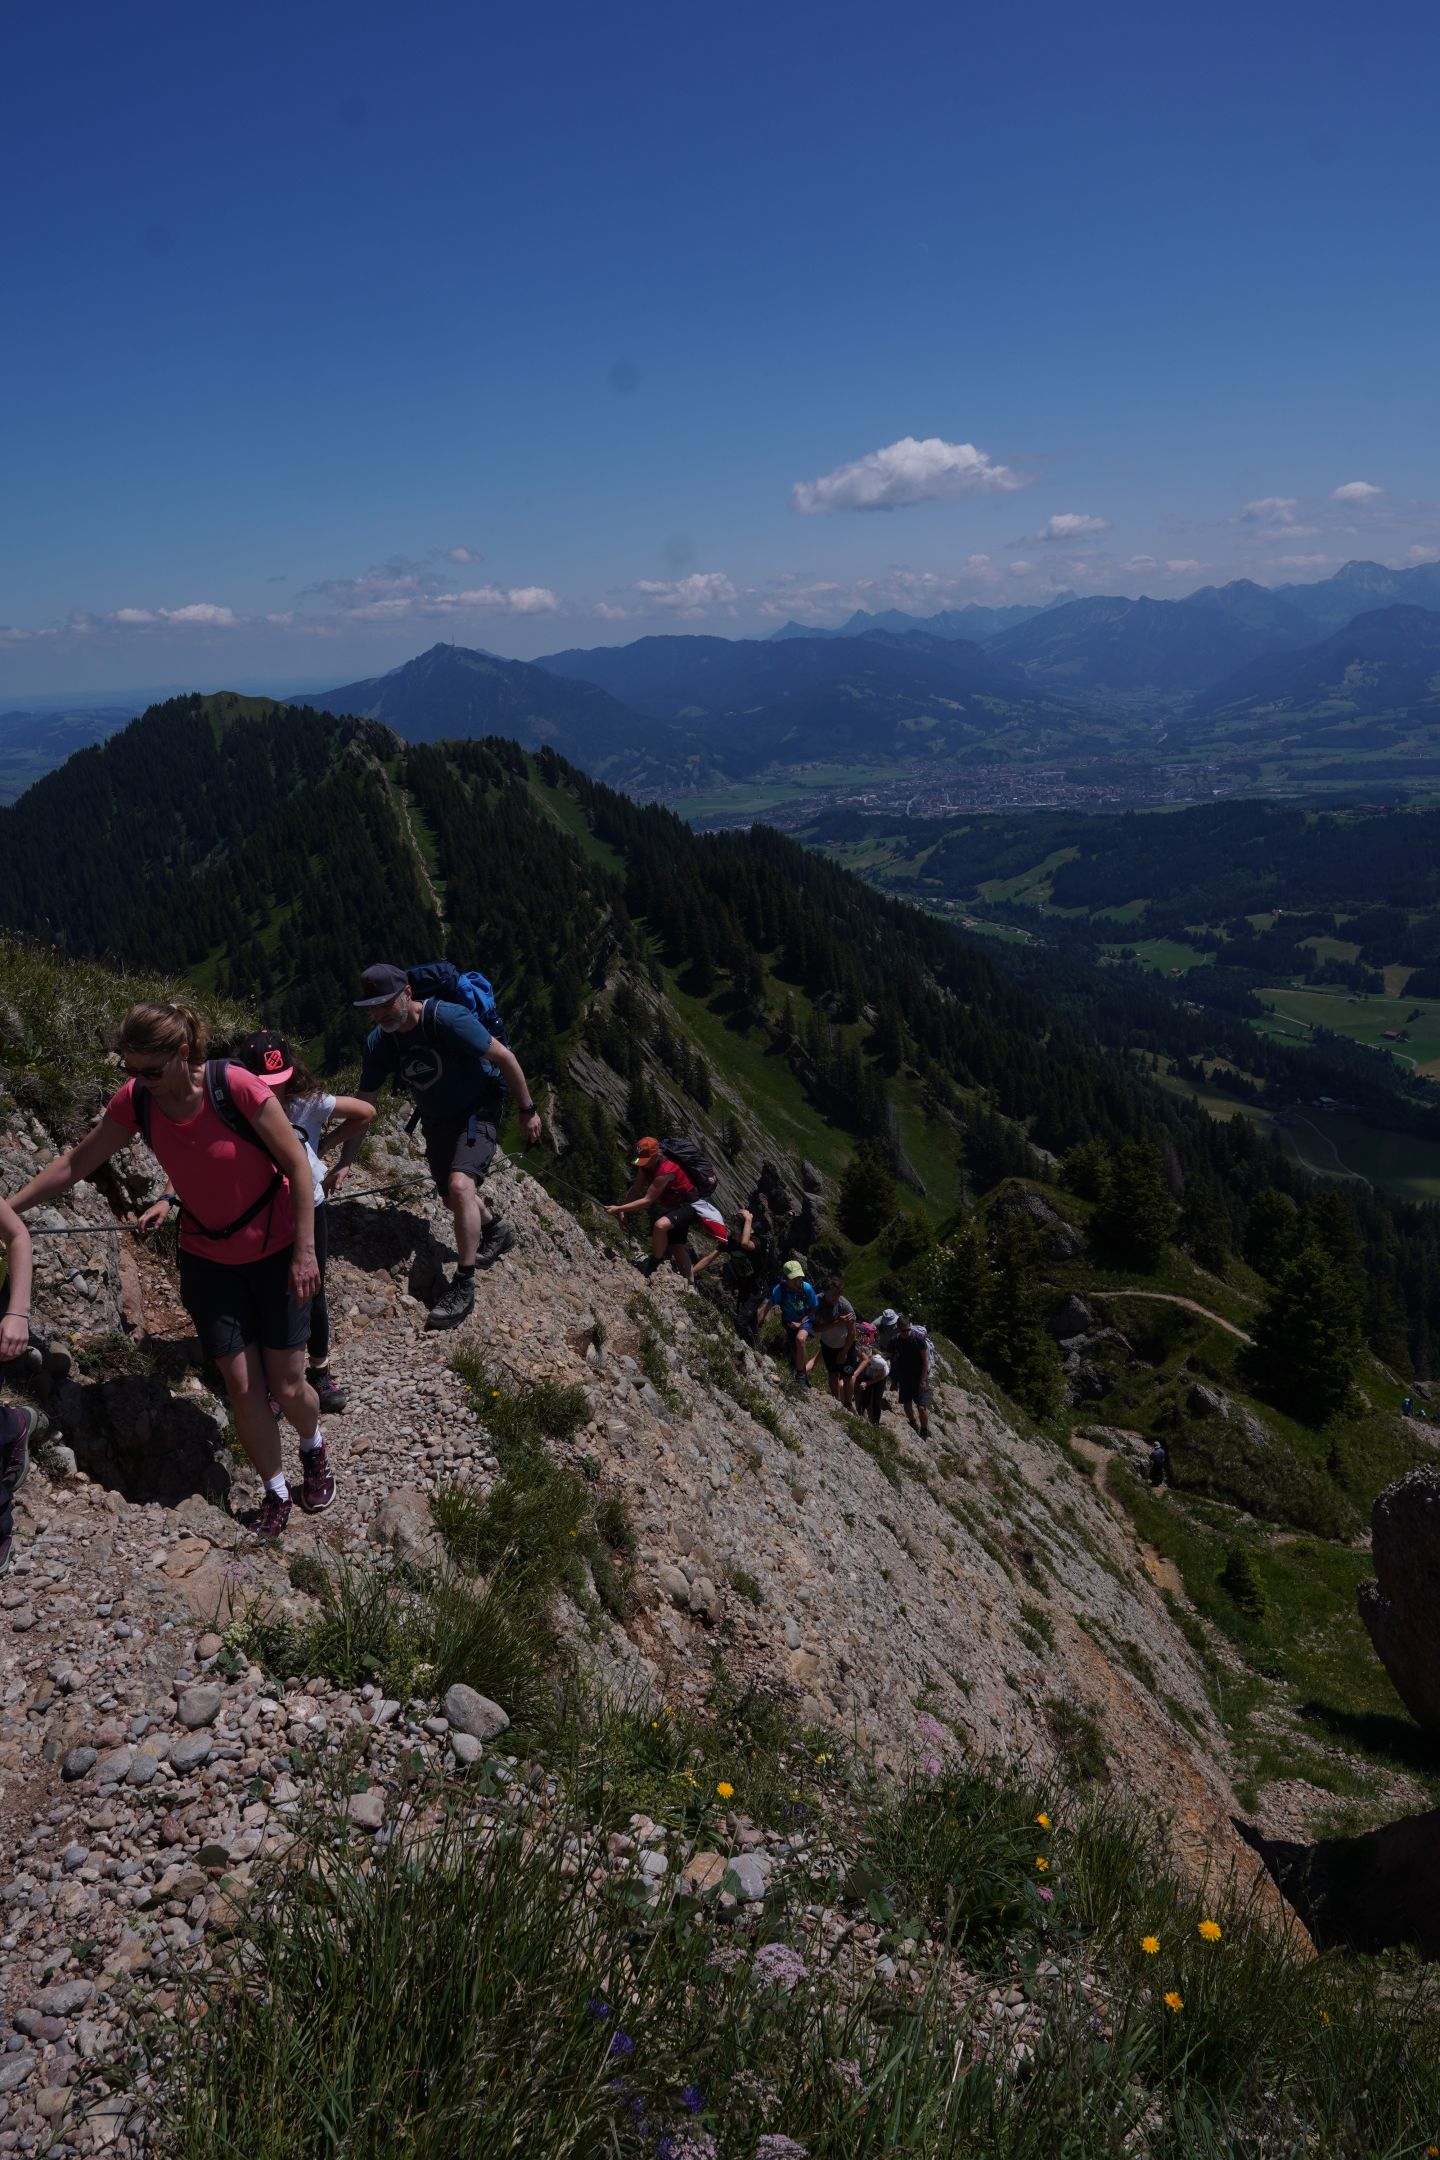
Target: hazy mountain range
(1073, 679)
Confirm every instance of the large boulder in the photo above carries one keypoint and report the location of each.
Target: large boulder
(1400, 1608)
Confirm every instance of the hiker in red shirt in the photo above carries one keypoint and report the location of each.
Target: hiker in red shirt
(247, 1230)
(663, 1188)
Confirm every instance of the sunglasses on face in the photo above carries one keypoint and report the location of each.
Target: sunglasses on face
(148, 1072)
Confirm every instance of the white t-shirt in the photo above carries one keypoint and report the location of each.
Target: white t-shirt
(875, 1367)
(309, 1118)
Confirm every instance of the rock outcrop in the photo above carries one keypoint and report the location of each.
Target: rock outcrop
(1401, 1606)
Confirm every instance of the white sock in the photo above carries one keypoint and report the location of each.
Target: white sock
(315, 1440)
(279, 1486)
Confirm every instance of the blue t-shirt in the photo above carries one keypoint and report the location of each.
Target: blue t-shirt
(441, 1060)
(795, 1300)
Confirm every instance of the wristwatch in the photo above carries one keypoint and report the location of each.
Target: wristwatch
(527, 1109)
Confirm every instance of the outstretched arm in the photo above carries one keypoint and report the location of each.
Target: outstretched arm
(355, 1113)
(15, 1327)
(74, 1166)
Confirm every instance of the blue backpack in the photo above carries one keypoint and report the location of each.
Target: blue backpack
(441, 979)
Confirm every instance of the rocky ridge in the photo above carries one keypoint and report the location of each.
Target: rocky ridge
(976, 1579)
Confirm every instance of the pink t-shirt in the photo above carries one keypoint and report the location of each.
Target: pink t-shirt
(216, 1175)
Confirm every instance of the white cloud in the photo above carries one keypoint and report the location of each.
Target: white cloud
(1270, 510)
(1356, 491)
(1300, 562)
(202, 611)
(1419, 553)
(1140, 562)
(199, 611)
(1071, 525)
(697, 594)
(512, 600)
(1184, 566)
(462, 554)
(903, 473)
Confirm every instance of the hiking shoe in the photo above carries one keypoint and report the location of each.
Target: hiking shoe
(327, 1387)
(498, 1238)
(30, 1426)
(318, 1489)
(455, 1302)
(270, 1518)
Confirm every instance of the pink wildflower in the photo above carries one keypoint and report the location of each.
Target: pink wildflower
(931, 1728)
(778, 1962)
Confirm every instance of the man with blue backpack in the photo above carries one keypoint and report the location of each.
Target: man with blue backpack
(437, 1033)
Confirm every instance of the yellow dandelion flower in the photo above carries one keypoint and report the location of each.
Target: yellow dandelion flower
(1042, 1863)
(1150, 1944)
(726, 1791)
(1325, 2019)
(822, 1758)
(1209, 1931)
(1044, 1821)
(1174, 2001)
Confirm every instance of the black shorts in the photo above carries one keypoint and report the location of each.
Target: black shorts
(841, 1360)
(682, 1219)
(466, 1144)
(914, 1392)
(233, 1307)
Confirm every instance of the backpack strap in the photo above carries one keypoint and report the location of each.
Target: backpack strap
(222, 1102)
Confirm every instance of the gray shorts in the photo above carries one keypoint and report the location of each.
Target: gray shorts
(467, 1144)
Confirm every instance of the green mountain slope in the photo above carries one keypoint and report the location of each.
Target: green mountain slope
(453, 694)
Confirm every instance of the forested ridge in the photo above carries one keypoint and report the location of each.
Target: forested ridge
(273, 852)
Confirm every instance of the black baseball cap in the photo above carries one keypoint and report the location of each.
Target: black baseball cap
(381, 983)
(268, 1056)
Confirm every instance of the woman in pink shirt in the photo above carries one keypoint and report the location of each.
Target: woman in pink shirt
(247, 1230)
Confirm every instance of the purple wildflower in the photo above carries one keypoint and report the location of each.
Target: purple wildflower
(775, 2146)
(692, 2099)
(1046, 1894)
(932, 1766)
(687, 2144)
(597, 2008)
(931, 1729)
(621, 2044)
(779, 1963)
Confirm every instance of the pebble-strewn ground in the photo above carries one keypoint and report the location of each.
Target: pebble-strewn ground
(140, 1786)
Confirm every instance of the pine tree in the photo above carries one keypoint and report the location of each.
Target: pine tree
(1012, 1341)
(867, 1196)
(1204, 1230)
(1308, 1339)
(1088, 1170)
(1272, 1232)
(1139, 1219)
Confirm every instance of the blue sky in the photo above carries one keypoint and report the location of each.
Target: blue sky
(332, 331)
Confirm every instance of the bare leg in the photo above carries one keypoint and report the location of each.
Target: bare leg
(465, 1206)
(244, 1375)
(285, 1373)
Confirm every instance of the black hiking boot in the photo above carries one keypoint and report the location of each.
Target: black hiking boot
(454, 1304)
(498, 1238)
(332, 1395)
(21, 1427)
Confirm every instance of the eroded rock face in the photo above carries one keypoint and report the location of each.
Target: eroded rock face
(1401, 1608)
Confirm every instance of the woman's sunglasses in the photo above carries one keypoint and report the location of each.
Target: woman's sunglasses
(148, 1072)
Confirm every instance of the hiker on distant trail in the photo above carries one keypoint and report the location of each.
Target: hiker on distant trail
(666, 1189)
(910, 1364)
(458, 1069)
(310, 1110)
(247, 1230)
(834, 1326)
(867, 1382)
(794, 1299)
(20, 1423)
